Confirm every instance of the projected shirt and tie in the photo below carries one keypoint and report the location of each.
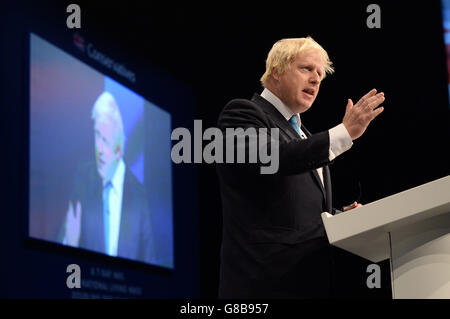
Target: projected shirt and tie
(112, 206)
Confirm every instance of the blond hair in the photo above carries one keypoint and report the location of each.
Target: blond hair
(106, 108)
(285, 51)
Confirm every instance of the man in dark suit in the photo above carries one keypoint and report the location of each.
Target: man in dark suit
(111, 214)
(274, 244)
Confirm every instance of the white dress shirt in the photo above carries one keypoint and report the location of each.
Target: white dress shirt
(115, 207)
(340, 140)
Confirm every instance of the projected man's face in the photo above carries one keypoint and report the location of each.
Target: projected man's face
(107, 150)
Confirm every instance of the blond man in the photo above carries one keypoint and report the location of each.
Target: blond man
(111, 214)
(274, 244)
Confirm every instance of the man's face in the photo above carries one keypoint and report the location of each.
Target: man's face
(105, 154)
(299, 85)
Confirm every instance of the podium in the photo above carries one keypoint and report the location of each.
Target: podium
(411, 228)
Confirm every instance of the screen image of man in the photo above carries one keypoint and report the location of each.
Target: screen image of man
(108, 211)
(273, 242)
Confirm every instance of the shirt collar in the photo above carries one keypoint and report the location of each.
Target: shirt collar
(280, 106)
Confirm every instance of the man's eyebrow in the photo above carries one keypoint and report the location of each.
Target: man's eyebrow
(307, 63)
(311, 65)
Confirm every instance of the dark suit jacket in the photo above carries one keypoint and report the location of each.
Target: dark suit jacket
(272, 228)
(136, 240)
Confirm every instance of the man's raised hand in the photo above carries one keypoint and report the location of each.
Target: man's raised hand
(358, 117)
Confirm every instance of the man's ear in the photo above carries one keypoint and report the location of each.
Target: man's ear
(276, 74)
(117, 150)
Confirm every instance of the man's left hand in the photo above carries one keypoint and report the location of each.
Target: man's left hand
(354, 205)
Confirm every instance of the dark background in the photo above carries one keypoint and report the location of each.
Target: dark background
(218, 52)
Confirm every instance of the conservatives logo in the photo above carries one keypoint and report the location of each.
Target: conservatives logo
(78, 40)
(102, 58)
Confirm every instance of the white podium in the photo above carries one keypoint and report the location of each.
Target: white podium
(411, 228)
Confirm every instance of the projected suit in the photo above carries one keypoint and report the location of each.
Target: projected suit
(135, 236)
(111, 213)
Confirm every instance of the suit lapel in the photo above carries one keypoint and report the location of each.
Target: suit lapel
(284, 125)
(314, 171)
(326, 187)
(127, 212)
(275, 115)
(100, 235)
(93, 215)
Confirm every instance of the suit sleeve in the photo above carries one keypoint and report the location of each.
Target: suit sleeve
(294, 156)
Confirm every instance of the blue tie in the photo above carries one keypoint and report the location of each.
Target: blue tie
(294, 124)
(106, 214)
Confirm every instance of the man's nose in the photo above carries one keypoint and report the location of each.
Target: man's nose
(314, 79)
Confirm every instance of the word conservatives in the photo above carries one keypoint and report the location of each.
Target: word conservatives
(242, 146)
(110, 63)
